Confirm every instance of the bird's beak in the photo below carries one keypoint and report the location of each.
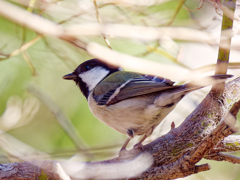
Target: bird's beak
(70, 76)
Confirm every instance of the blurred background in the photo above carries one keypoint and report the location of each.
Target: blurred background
(45, 117)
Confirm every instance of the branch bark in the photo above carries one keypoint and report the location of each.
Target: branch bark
(32, 170)
(223, 157)
(229, 144)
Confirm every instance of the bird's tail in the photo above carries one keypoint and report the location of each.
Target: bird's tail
(203, 82)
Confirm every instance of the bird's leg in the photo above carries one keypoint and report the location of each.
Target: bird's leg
(139, 144)
(130, 133)
(125, 144)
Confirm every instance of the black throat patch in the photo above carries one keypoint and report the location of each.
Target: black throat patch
(82, 86)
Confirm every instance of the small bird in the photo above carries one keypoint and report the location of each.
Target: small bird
(130, 102)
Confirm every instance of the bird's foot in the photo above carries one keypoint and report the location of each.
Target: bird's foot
(138, 146)
(122, 152)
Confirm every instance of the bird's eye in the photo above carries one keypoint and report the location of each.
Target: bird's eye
(87, 67)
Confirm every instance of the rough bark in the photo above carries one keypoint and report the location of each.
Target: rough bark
(32, 170)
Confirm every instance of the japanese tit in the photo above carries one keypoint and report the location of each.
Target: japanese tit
(130, 102)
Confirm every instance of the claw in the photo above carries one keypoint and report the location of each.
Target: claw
(138, 146)
(123, 150)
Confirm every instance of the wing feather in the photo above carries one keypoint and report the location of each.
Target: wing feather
(137, 88)
(109, 92)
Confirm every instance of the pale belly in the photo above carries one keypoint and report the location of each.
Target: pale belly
(139, 114)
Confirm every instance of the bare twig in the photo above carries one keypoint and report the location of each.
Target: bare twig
(47, 27)
(23, 47)
(223, 157)
(201, 3)
(235, 109)
(228, 144)
(100, 22)
(62, 119)
(19, 151)
(127, 61)
(212, 67)
(223, 54)
(180, 4)
(27, 58)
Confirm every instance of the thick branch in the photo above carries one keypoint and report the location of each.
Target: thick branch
(186, 165)
(27, 170)
(230, 143)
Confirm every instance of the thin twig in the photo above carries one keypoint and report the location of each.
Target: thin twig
(100, 22)
(28, 60)
(223, 54)
(212, 67)
(235, 109)
(180, 4)
(228, 144)
(223, 157)
(201, 3)
(61, 118)
(23, 48)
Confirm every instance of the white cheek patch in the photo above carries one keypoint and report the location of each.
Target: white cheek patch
(93, 77)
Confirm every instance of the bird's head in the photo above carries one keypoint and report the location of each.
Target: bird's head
(90, 73)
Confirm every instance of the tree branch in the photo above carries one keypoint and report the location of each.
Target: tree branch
(223, 157)
(223, 54)
(32, 170)
(228, 144)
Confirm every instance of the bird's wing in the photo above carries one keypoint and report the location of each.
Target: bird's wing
(137, 87)
(134, 86)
